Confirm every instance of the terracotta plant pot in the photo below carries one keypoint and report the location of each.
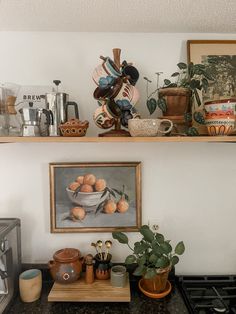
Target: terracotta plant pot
(158, 283)
(178, 101)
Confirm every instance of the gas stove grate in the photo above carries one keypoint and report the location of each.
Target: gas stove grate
(209, 294)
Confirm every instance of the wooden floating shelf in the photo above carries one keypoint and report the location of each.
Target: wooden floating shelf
(164, 139)
(98, 291)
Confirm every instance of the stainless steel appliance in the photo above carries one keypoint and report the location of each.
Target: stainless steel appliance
(31, 118)
(209, 294)
(58, 104)
(10, 260)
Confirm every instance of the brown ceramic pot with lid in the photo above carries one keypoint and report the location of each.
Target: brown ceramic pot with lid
(66, 266)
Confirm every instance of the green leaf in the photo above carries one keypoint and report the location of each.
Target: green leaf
(118, 192)
(140, 247)
(152, 105)
(172, 85)
(147, 233)
(192, 131)
(180, 248)
(175, 74)
(162, 262)
(205, 84)
(140, 270)
(194, 84)
(198, 117)
(141, 260)
(161, 103)
(153, 258)
(167, 248)
(121, 237)
(182, 65)
(126, 197)
(150, 273)
(188, 117)
(174, 260)
(167, 82)
(197, 97)
(209, 74)
(130, 259)
(190, 70)
(160, 238)
(104, 193)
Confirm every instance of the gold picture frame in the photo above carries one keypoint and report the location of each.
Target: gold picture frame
(119, 182)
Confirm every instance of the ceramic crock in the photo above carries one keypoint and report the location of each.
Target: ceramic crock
(66, 266)
(102, 266)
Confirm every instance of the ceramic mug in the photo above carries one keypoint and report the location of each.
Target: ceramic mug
(131, 73)
(107, 72)
(103, 117)
(148, 127)
(127, 97)
(118, 276)
(30, 285)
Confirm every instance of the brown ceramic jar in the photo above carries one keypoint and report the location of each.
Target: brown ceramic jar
(66, 266)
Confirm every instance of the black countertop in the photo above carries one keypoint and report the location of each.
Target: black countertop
(140, 304)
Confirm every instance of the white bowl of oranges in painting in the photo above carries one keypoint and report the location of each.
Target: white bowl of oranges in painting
(87, 190)
(92, 194)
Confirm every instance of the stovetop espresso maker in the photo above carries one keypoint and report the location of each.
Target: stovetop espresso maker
(58, 104)
(32, 124)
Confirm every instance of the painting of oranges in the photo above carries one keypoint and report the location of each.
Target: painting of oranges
(95, 197)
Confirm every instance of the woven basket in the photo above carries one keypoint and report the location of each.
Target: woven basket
(74, 127)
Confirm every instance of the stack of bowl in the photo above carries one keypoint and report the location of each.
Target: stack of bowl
(220, 116)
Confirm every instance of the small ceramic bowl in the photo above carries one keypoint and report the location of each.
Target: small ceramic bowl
(222, 105)
(220, 126)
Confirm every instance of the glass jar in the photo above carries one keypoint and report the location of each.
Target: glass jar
(4, 117)
(11, 91)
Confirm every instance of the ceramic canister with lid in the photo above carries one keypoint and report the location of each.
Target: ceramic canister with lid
(66, 266)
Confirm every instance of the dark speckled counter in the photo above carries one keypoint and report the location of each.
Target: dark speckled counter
(140, 304)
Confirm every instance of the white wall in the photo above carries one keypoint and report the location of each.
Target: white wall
(189, 189)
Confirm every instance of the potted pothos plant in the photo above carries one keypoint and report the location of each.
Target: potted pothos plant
(154, 256)
(180, 99)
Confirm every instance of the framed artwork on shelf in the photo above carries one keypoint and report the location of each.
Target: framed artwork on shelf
(95, 197)
(220, 56)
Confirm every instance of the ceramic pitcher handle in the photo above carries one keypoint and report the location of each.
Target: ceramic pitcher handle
(170, 127)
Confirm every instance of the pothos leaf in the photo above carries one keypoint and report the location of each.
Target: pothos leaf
(161, 103)
(198, 117)
(151, 104)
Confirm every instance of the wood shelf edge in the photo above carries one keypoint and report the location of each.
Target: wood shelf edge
(227, 139)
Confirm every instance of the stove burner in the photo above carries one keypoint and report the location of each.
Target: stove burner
(220, 309)
(209, 294)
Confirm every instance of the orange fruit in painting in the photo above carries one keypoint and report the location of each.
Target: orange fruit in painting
(80, 179)
(109, 207)
(122, 205)
(100, 185)
(78, 213)
(89, 179)
(86, 188)
(74, 186)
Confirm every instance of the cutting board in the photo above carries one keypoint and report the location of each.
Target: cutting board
(98, 291)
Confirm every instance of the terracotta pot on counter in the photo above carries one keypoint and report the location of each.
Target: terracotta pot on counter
(66, 266)
(157, 284)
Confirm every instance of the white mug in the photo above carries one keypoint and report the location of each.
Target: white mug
(148, 127)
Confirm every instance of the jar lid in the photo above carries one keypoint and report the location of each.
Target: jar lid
(66, 255)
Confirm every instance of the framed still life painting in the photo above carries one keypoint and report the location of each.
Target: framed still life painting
(220, 58)
(95, 197)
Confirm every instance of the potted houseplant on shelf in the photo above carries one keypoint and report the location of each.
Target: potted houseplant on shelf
(154, 256)
(179, 100)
